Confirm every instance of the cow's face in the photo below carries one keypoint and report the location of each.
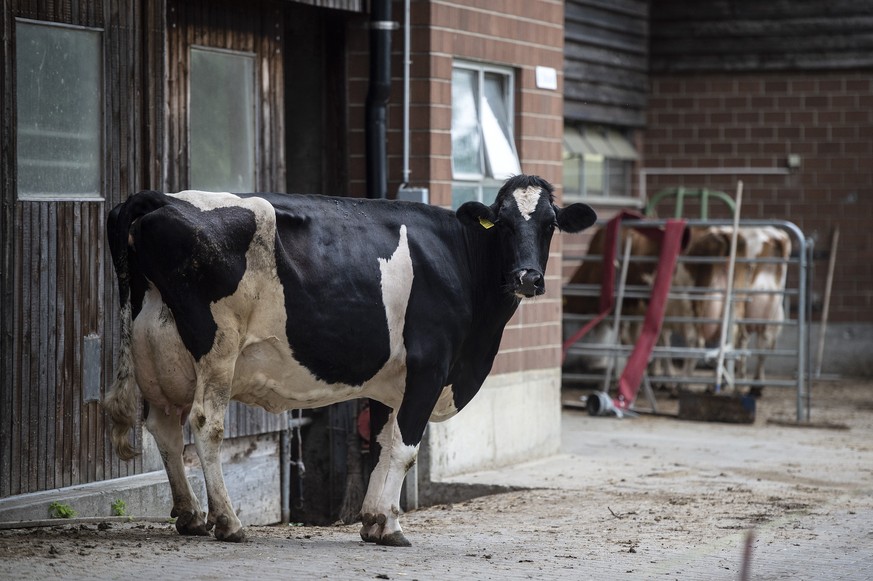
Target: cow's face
(524, 216)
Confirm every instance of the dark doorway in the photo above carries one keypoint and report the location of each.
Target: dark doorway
(316, 76)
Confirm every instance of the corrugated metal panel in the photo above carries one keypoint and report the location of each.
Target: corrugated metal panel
(606, 61)
(743, 35)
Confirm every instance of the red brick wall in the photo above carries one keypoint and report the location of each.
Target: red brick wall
(757, 120)
(521, 34)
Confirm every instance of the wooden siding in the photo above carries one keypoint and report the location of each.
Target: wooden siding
(56, 285)
(606, 61)
(255, 27)
(750, 35)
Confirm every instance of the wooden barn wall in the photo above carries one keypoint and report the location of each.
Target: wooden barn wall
(606, 61)
(57, 283)
(255, 27)
(750, 35)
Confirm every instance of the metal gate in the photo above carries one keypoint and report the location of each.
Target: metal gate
(598, 358)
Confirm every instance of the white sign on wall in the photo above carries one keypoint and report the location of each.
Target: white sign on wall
(547, 78)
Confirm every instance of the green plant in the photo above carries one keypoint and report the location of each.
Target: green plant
(61, 510)
(119, 508)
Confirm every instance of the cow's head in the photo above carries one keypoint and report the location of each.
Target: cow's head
(524, 216)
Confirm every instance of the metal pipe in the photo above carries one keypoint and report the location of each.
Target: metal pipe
(803, 395)
(715, 171)
(729, 299)
(616, 324)
(406, 63)
(377, 98)
(826, 303)
(285, 470)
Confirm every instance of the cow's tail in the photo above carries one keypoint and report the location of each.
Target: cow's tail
(121, 403)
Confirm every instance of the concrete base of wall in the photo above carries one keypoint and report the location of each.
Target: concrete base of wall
(847, 350)
(251, 472)
(515, 417)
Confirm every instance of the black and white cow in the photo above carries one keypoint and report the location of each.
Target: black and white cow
(292, 301)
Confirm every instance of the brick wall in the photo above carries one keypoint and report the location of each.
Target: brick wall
(521, 34)
(757, 120)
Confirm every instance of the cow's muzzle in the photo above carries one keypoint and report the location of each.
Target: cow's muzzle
(529, 283)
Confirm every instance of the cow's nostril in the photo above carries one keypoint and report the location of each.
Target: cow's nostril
(530, 283)
(531, 277)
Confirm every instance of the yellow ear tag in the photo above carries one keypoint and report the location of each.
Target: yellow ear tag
(486, 223)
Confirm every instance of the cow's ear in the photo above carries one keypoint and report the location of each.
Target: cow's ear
(476, 215)
(575, 217)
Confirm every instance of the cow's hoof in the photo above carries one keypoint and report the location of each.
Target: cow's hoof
(395, 539)
(225, 531)
(230, 537)
(369, 534)
(371, 527)
(191, 523)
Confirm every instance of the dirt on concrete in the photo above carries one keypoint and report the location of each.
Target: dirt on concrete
(646, 498)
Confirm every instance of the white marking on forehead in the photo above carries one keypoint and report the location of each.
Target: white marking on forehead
(527, 200)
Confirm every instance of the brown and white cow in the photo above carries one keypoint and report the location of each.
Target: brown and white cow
(761, 306)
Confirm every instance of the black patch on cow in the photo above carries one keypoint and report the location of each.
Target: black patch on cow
(328, 266)
(131, 282)
(194, 258)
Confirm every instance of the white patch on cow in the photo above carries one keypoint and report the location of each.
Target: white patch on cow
(527, 200)
(445, 406)
(208, 200)
(164, 369)
(396, 288)
(383, 493)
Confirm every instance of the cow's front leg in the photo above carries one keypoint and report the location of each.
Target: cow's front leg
(167, 432)
(207, 423)
(380, 513)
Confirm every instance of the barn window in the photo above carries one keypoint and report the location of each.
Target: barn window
(59, 103)
(222, 120)
(598, 165)
(483, 149)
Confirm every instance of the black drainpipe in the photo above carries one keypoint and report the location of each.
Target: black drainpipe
(377, 98)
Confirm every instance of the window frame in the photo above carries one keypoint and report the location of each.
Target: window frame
(605, 158)
(483, 181)
(256, 109)
(102, 130)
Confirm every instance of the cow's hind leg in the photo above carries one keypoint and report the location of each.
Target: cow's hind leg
(167, 432)
(380, 513)
(207, 423)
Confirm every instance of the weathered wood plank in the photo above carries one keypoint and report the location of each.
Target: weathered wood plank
(746, 35)
(606, 61)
